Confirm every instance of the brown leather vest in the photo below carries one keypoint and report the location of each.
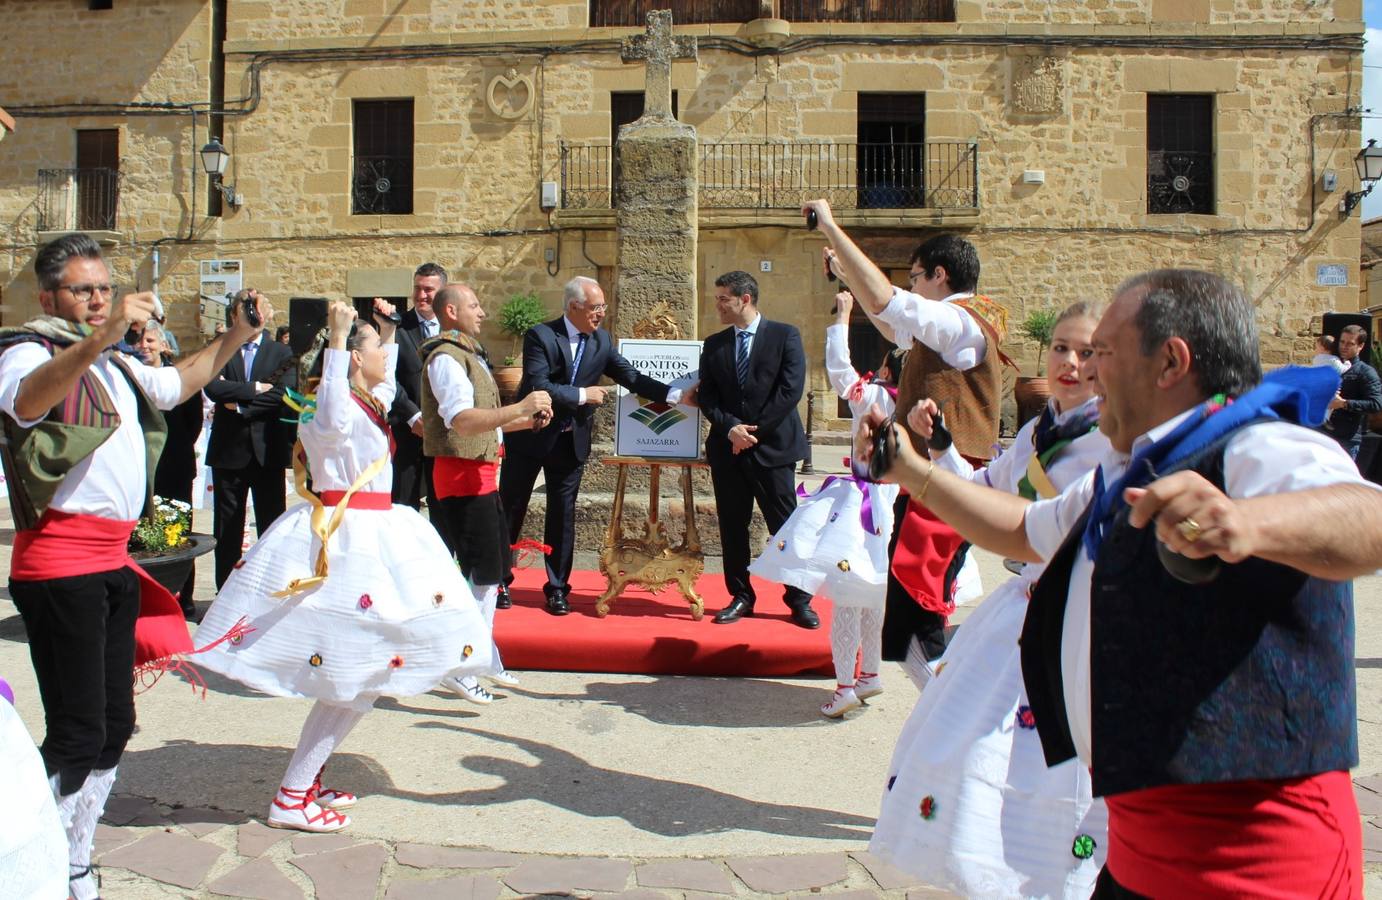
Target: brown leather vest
(970, 398)
(437, 438)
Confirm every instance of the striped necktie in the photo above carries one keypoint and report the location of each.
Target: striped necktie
(741, 362)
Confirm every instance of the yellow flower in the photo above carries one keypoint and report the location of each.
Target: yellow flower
(173, 533)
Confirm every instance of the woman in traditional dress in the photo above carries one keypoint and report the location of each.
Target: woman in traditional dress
(835, 545)
(348, 596)
(970, 803)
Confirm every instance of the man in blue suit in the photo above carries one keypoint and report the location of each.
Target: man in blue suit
(752, 377)
(565, 358)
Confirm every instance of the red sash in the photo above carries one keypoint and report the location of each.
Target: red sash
(925, 546)
(1297, 837)
(372, 410)
(64, 544)
(375, 500)
(455, 477)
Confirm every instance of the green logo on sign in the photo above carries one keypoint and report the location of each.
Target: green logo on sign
(657, 416)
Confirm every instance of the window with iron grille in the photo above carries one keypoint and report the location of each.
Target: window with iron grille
(383, 182)
(97, 178)
(1180, 153)
(891, 154)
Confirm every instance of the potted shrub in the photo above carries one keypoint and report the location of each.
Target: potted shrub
(1031, 393)
(164, 545)
(519, 313)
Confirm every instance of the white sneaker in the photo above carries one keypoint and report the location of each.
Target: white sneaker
(504, 678)
(841, 702)
(868, 686)
(469, 689)
(299, 811)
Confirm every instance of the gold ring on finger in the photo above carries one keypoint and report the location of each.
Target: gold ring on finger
(1189, 529)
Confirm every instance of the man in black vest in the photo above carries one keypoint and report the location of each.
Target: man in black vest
(1221, 697)
(250, 446)
(565, 358)
(1360, 392)
(752, 377)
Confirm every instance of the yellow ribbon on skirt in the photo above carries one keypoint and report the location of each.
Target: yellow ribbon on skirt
(323, 527)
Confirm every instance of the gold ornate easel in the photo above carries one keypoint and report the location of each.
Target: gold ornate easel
(651, 561)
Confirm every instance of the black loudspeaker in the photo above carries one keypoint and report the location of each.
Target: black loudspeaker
(306, 317)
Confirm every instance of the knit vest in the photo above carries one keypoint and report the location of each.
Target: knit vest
(1247, 677)
(37, 459)
(437, 438)
(970, 398)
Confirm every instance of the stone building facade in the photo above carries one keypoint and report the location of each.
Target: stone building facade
(1074, 143)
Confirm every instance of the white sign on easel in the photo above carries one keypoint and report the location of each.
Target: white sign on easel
(646, 428)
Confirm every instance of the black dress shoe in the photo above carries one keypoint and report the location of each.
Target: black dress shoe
(557, 605)
(738, 608)
(805, 616)
(504, 601)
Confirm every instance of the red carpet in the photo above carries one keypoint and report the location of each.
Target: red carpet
(655, 634)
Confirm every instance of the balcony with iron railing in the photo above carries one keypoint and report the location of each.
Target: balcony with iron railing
(934, 176)
(78, 200)
(634, 13)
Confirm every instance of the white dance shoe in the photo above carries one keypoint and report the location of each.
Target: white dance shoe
(504, 678)
(868, 686)
(841, 702)
(299, 811)
(468, 689)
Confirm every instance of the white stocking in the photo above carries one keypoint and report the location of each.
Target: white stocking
(489, 602)
(871, 628)
(326, 727)
(844, 643)
(79, 813)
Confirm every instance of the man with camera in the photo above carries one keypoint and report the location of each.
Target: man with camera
(250, 447)
(83, 436)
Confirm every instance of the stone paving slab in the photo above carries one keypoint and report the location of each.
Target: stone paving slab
(254, 838)
(564, 876)
(350, 874)
(427, 856)
(686, 874)
(169, 858)
(889, 877)
(258, 879)
(109, 837)
(456, 887)
(838, 895)
(1369, 802)
(785, 874)
(202, 821)
(320, 843)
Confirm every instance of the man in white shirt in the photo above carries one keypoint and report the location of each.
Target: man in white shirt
(82, 440)
(1213, 700)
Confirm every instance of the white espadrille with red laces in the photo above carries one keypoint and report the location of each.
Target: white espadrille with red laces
(331, 798)
(299, 811)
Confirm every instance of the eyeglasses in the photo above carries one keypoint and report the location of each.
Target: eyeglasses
(912, 278)
(82, 293)
(597, 309)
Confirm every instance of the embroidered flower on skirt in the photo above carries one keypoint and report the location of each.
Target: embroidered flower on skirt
(365, 601)
(1083, 848)
(438, 598)
(466, 651)
(314, 660)
(396, 662)
(1026, 719)
(237, 639)
(928, 807)
(843, 565)
(782, 545)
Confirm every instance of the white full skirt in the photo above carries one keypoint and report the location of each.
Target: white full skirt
(33, 846)
(394, 615)
(824, 548)
(1001, 824)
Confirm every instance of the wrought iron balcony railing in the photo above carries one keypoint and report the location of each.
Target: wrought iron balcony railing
(700, 12)
(929, 175)
(78, 199)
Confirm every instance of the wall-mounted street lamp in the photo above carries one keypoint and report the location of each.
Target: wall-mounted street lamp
(1369, 165)
(215, 157)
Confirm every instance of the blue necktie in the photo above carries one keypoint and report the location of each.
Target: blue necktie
(741, 363)
(576, 361)
(250, 349)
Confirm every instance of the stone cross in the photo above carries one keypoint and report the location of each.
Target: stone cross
(658, 47)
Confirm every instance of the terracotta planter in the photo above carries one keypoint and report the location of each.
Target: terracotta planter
(1031, 395)
(508, 379)
(170, 569)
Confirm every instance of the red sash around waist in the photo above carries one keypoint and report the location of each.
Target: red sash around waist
(454, 477)
(360, 500)
(64, 545)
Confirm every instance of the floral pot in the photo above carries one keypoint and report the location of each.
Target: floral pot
(508, 378)
(1031, 395)
(170, 568)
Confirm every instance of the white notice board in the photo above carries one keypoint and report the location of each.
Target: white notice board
(659, 430)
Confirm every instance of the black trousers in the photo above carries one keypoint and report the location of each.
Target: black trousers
(561, 472)
(903, 617)
(482, 537)
(739, 483)
(232, 489)
(1106, 888)
(81, 641)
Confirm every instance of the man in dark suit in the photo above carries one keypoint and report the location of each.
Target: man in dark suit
(752, 377)
(1360, 392)
(565, 358)
(250, 447)
(410, 467)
